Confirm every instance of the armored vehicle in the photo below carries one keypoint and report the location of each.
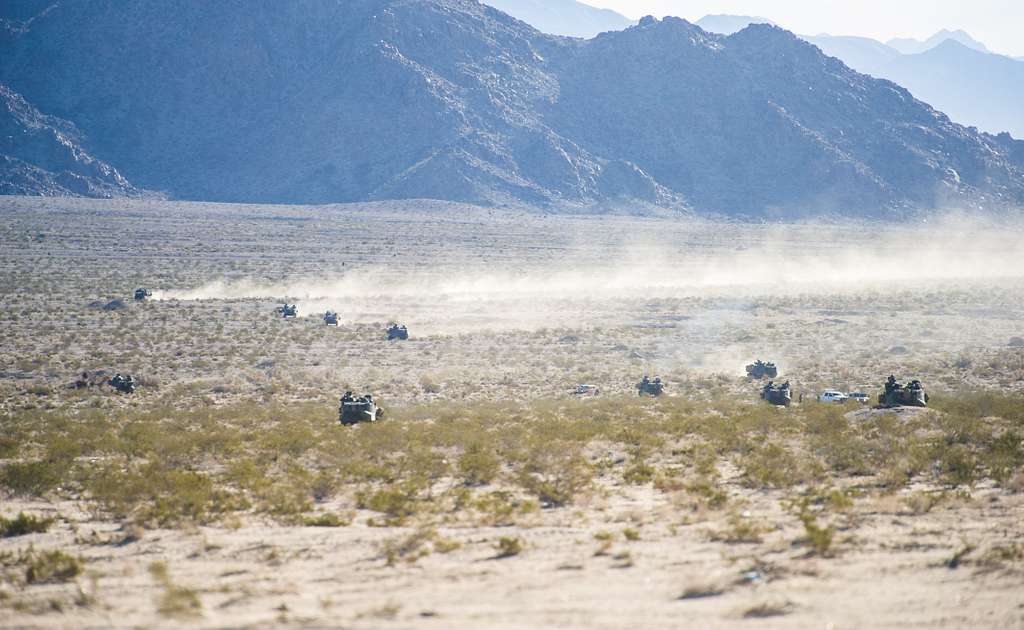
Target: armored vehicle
(331, 318)
(647, 387)
(780, 396)
(586, 390)
(896, 395)
(353, 410)
(760, 369)
(288, 311)
(123, 383)
(397, 332)
(142, 294)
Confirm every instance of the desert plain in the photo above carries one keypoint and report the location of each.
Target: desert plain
(224, 493)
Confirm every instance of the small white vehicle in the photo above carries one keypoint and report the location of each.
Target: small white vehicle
(860, 397)
(833, 396)
(586, 390)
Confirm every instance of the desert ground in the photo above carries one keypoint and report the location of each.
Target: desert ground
(224, 492)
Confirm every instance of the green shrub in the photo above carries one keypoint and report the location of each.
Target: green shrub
(175, 601)
(397, 502)
(153, 493)
(328, 519)
(478, 465)
(555, 472)
(50, 567)
(23, 524)
(509, 546)
(33, 478)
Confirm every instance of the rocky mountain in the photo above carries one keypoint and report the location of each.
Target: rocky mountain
(915, 47)
(42, 154)
(974, 87)
(319, 101)
(563, 17)
(950, 70)
(729, 24)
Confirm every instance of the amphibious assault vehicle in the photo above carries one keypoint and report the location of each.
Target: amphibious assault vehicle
(761, 369)
(331, 318)
(123, 383)
(353, 410)
(142, 294)
(780, 396)
(647, 387)
(397, 332)
(896, 395)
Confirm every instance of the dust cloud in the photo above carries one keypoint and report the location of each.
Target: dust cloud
(590, 286)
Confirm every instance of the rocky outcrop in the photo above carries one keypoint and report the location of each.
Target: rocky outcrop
(43, 155)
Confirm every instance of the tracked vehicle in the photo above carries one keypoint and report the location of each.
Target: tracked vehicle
(760, 369)
(780, 396)
(123, 383)
(142, 294)
(353, 410)
(896, 395)
(331, 318)
(288, 311)
(647, 387)
(397, 332)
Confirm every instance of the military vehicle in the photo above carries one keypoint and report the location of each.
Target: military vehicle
(397, 332)
(586, 390)
(123, 383)
(647, 387)
(896, 395)
(288, 311)
(331, 318)
(353, 410)
(94, 378)
(760, 369)
(142, 294)
(780, 396)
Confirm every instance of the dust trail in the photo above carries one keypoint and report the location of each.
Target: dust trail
(588, 286)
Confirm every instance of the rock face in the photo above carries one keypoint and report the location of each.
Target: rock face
(43, 155)
(324, 101)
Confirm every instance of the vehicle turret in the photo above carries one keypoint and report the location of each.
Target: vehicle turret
(648, 387)
(762, 369)
(354, 410)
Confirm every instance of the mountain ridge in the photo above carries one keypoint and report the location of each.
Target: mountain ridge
(454, 100)
(563, 17)
(42, 154)
(910, 46)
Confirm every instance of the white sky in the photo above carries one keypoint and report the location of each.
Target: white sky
(999, 24)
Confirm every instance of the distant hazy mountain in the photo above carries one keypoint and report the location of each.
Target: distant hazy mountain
(563, 17)
(729, 24)
(914, 47)
(327, 101)
(972, 87)
(950, 70)
(42, 154)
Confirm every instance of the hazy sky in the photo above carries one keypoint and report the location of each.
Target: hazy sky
(999, 24)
